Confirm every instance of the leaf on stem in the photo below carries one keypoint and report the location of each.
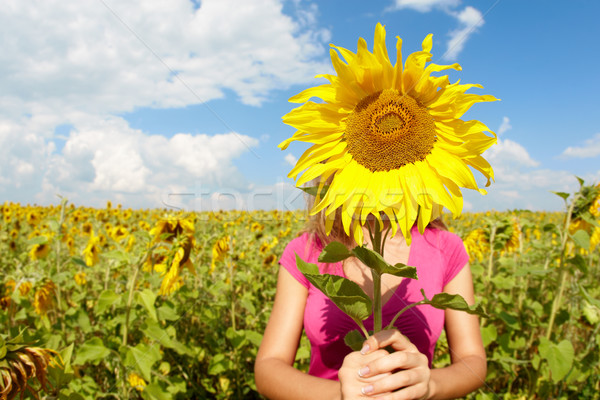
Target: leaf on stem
(375, 261)
(588, 297)
(314, 190)
(559, 356)
(454, 302)
(582, 239)
(564, 195)
(354, 339)
(334, 252)
(344, 293)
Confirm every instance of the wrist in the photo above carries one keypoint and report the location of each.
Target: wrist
(430, 390)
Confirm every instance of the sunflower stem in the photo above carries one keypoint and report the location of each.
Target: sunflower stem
(491, 258)
(232, 288)
(378, 247)
(561, 266)
(130, 299)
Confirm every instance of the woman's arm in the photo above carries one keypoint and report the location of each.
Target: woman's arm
(275, 376)
(469, 366)
(465, 374)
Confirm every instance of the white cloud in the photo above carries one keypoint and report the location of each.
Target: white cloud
(509, 154)
(469, 20)
(505, 126)
(590, 149)
(71, 54)
(425, 5)
(104, 158)
(290, 159)
(519, 182)
(81, 64)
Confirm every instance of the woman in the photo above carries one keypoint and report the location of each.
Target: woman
(442, 265)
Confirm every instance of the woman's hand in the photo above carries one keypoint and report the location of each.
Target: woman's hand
(404, 374)
(352, 383)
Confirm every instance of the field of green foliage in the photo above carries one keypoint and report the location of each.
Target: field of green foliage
(148, 304)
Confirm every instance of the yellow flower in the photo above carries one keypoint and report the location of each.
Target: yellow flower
(595, 238)
(9, 286)
(39, 251)
(118, 233)
(389, 138)
(87, 228)
(33, 218)
(476, 244)
(172, 280)
(80, 278)
(514, 242)
(136, 381)
(219, 251)
(256, 227)
(24, 288)
(270, 259)
(44, 297)
(595, 207)
(92, 250)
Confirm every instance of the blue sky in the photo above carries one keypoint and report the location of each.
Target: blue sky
(178, 103)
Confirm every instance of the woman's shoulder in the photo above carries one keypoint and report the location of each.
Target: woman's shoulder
(442, 239)
(305, 245)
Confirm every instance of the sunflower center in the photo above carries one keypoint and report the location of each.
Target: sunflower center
(387, 130)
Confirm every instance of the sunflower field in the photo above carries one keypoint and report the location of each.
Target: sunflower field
(101, 303)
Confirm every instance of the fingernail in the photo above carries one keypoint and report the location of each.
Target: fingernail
(363, 372)
(367, 389)
(365, 349)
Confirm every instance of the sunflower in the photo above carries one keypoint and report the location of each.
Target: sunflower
(43, 298)
(220, 251)
(91, 253)
(388, 138)
(136, 381)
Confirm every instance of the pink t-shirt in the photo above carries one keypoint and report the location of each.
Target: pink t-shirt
(438, 256)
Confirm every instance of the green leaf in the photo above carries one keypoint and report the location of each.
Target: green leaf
(354, 339)
(155, 332)
(582, 239)
(306, 268)
(156, 392)
(589, 218)
(254, 337)
(167, 312)
(564, 195)
(370, 258)
(219, 364)
(579, 262)
(106, 300)
(588, 297)
(2, 348)
(489, 334)
(117, 255)
(146, 299)
(454, 302)
(334, 252)
(236, 338)
(92, 351)
(142, 357)
(581, 181)
(314, 190)
(401, 270)
(374, 260)
(559, 356)
(66, 355)
(79, 261)
(37, 240)
(344, 293)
